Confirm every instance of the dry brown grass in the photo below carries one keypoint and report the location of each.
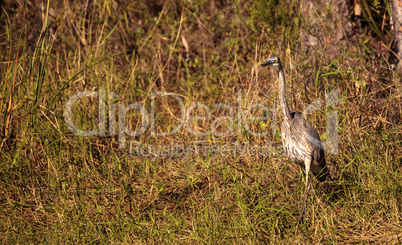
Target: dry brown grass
(58, 187)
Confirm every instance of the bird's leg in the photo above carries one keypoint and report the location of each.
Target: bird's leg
(303, 212)
(307, 164)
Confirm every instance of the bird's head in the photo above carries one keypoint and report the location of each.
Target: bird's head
(273, 61)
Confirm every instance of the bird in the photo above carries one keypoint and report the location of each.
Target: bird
(301, 143)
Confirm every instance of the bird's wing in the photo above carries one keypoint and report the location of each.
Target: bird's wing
(302, 129)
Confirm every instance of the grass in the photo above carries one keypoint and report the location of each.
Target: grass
(226, 186)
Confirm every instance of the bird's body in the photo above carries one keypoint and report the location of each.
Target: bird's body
(302, 144)
(300, 141)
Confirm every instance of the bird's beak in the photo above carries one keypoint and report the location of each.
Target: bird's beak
(268, 62)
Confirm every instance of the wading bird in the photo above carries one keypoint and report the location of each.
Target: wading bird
(300, 141)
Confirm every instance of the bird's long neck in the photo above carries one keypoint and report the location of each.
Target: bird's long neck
(282, 93)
